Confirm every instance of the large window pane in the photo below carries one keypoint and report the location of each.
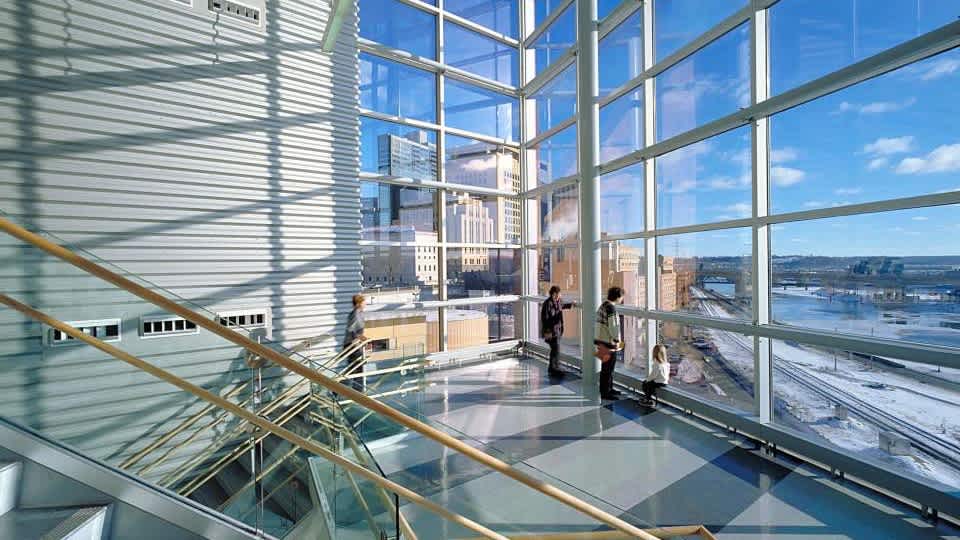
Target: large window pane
(559, 216)
(604, 7)
(570, 340)
(482, 219)
(400, 334)
(482, 111)
(400, 26)
(894, 275)
(502, 16)
(397, 150)
(860, 403)
(621, 126)
(707, 273)
(392, 88)
(469, 326)
(401, 270)
(679, 22)
(555, 157)
(559, 266)
(557, 100)
(481, 55)
(634, 357)
(709, 84)
(397, 213)
(705, 182)
(555, 41)
(621, 53)
(893, 136)
(623, 264)
(810, 38)
(716, 365)
(478, 272)
(621, 201)
(476, 163)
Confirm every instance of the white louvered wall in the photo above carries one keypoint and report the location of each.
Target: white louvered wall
(213, 158)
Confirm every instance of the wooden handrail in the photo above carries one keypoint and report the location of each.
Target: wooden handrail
(658, 532)
(262, 423)
(267, 353)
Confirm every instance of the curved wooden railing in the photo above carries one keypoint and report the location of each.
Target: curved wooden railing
(291, 365)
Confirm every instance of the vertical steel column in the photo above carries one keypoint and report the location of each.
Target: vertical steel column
(441, 204)
(588, 152)
(528, 263)
(649, 180)
(762, 346)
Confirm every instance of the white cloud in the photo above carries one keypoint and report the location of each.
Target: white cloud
(886, 146)
(848, 191)
(812, 204)
(480, 165)
(783, 155)
(681, 186)
(740, 209)
(786, 176)
(944, 158)
(876, 107)
(878, 163)
(940, 68)
(723, 183)
(920, 218)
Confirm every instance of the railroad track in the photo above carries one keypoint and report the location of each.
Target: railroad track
(937, 447)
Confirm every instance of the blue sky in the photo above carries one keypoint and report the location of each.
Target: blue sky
(893, 136)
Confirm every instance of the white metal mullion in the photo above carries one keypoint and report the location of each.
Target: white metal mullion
(421, 124)
(539, 80)
(649, 182)
(619, 14)
(539, 191)
(546, 23)
(481, 29)
(540, 137)
(528, 258)
(906, 203)
(441, 175)
(428, 184)
(760, 130)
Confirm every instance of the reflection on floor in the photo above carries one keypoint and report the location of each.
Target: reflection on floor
(648, 466)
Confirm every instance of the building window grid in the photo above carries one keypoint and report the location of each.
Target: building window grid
(761, 219)
(758, 222)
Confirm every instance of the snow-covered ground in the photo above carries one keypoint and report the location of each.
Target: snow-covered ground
(932, 408)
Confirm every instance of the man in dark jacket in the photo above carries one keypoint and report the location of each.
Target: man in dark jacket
(551, 327)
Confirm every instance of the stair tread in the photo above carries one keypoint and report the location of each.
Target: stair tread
(7, 464)
(37, 523)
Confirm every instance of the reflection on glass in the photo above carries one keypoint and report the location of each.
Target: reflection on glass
(621, 201)
(479, 272)
(716, 365)
(480, 55)
(397, 213)
(498, 15)
(559, 217)
(469, 326)
(633, 361)
(621, 53)
(604, 7)
(482, 111)
(707, 181)
(400, 26)
(475, 163)
(707, 273)
(400, 333)
(482, 219)
(397, 150)
(558, 266)
(557, 100)
(555, 40)
(892, 136)
(623, 264)
(621, 126)
(407, 273)
(396, 89)
(555, 157)
(711, 83)
(829, 394)
(570, 341)
(679, 22)
(809, 39)
(893, 275)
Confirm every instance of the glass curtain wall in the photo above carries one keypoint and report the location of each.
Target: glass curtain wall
(440, 172)
(780, 196)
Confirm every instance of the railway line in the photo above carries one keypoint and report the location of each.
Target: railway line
(935, 446)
